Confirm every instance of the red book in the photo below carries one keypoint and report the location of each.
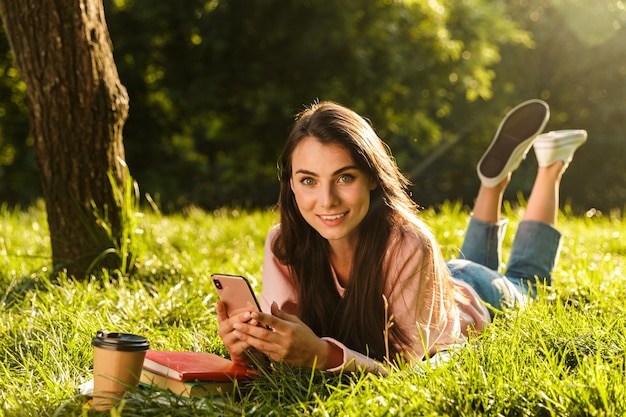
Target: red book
(195, 366)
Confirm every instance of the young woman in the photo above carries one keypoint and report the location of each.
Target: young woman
(353, 278)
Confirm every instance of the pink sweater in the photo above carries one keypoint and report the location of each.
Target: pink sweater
(403, 268)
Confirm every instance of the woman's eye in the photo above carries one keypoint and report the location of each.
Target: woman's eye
(307, 181)
(346, 178)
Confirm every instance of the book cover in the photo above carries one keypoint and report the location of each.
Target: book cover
(195, 366)
(188, 389)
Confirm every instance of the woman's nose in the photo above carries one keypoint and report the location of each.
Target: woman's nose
(328, 196)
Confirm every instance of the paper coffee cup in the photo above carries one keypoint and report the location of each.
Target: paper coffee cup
(117, 363)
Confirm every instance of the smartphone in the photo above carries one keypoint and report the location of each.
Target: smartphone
(236, 293)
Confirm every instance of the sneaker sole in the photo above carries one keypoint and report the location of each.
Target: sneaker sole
(512, 140)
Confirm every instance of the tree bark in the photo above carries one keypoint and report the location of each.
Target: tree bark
(78, 108)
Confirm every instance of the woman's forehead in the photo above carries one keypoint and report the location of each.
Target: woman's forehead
(312, 155)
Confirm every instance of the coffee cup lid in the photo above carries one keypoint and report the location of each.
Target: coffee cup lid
(125, 342)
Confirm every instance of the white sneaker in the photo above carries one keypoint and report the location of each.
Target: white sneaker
(512, 141)
(558, 145)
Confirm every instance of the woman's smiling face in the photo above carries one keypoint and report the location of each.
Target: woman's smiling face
(332, 192)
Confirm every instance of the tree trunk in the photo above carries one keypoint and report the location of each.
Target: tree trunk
(78, 107)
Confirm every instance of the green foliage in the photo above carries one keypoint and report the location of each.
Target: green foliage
(562, 355)
(18, 172)
(214, 86)
(222, 81)
(577, 65)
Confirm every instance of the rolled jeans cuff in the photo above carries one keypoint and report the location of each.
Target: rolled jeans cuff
(483, 242)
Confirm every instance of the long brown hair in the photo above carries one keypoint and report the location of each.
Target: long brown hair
(357, 319)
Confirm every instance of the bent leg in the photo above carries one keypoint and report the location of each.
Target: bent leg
(537, 243)
(543, 202)
(515, 136)
(554, 151)
(485, 232)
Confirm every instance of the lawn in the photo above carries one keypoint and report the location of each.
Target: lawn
(564, 355)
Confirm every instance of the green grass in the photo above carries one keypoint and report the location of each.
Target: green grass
(563, 355)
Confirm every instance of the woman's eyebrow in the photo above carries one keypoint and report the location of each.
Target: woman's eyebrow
(306, 172)
(346, 168)
(337, 172)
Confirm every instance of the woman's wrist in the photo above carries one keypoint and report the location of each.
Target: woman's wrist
(333, 355)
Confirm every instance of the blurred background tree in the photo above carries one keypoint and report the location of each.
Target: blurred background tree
(214, 86)
(77, 108)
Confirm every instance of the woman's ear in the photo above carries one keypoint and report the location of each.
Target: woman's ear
(373, 184)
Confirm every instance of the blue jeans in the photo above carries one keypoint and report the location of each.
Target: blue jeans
(533, 255)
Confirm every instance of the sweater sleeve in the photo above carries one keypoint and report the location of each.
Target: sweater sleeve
(278, 284)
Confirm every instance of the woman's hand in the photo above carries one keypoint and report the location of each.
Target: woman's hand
(289, 340)
(239, 350)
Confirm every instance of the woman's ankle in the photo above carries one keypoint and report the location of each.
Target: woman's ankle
(554, 170)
